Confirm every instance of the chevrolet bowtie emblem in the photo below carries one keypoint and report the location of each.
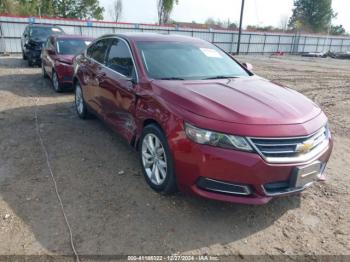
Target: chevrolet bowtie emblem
(304, 147)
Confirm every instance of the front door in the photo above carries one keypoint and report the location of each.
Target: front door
(117, 92)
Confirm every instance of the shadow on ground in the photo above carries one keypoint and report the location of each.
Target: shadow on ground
(17, 78)
(109, 213)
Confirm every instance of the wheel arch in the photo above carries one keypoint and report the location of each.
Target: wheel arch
(146, 122)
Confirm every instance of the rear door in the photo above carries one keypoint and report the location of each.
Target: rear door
(96, 59)
(117, 92)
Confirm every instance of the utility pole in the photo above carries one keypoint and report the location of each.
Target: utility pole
(240, 27)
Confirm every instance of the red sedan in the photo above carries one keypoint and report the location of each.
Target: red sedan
(202, 122)
(57, 58)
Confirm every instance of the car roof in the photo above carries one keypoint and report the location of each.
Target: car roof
(155, 37)
(66, 36)
(41, 25)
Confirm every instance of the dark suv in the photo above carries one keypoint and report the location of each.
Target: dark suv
(33, 38)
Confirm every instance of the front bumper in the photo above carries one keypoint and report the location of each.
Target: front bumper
(194, 162)
(65, 73)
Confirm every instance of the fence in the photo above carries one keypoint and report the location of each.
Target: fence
(11, 29)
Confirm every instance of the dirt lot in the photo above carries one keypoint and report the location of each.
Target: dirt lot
(112, 213)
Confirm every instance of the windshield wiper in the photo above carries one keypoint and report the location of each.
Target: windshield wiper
(219, 77)
(170, 78)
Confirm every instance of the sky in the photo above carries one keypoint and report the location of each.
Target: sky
(256, 12)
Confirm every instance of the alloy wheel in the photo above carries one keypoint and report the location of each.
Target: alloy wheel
(55, 82)
(43, 72)
(79, 102)
(154, 159)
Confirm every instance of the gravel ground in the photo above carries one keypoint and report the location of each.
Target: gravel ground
(113, 212)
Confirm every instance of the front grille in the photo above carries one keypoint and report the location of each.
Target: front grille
(35, 46)
(291, 149)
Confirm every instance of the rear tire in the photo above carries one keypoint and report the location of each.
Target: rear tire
(156, 160)
(79, 102)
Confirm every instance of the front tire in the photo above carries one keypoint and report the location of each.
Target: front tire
(30, 62)
(56, 83)
(80, 105)
(24, 57)
(156, 160)
(43, 71)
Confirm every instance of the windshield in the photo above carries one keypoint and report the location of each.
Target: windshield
(43, 33)
(71, 46)
(179, 60)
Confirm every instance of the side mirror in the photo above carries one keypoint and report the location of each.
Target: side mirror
(248, 66)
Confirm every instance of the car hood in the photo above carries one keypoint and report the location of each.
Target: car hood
(68, 59)
(246, 100)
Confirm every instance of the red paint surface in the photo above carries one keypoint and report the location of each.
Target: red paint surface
(249, 106)
(61, 64)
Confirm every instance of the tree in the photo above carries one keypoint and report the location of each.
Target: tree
(83, 9)
(8, 6)
(284, 22)
(116, 10)
(20, 7)
(312, 15)
(220, 24)
(268, 28)
(87, 9)
(66, 8)
(232, 26)
(165, 7)
(47, 8)
(210, 21)
(337, 30)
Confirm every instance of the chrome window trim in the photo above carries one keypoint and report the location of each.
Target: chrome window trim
(103, 65)
(313, 154)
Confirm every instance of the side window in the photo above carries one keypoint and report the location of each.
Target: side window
(119, 58)
(98, 50)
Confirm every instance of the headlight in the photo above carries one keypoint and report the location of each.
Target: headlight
(206, 137)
